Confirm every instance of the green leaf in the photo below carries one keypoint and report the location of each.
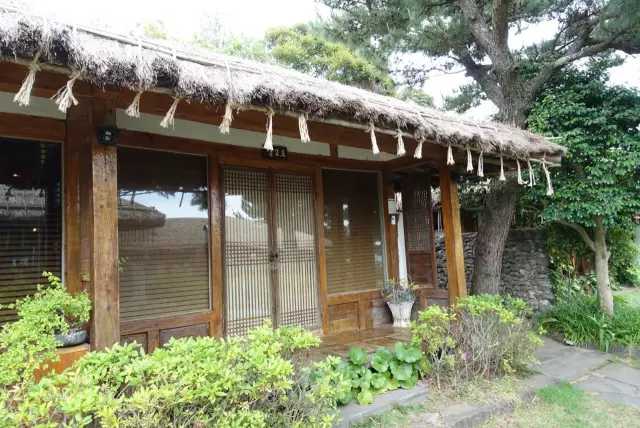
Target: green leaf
(365, 396)
(401, 371)
(409, 383)
(357, 356)
(381, 359)
(407, 353)
(380, 382)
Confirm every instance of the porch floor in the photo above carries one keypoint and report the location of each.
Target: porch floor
(370, 340)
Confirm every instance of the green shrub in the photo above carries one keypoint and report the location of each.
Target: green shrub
(482, 336)
(239, 382)
(28, 342)
(580, 321)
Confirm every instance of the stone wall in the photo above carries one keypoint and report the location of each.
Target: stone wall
(525, 266)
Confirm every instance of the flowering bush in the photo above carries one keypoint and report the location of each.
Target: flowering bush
(482, 335)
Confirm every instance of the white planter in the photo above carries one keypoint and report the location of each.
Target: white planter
(401, 313)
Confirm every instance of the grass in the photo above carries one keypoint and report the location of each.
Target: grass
(566, 406)
(631, 295)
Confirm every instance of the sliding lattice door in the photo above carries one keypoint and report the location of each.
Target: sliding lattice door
(270, 256)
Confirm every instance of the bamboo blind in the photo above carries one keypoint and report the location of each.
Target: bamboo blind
(353, 235)
(162, 234)
(30, 218)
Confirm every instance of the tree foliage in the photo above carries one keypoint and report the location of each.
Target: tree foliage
(600, 175)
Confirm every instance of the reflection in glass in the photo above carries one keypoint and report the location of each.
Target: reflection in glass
(30, 218)
(163, 234)
(353, 233)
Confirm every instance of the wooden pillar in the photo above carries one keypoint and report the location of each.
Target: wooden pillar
(98, 207)
(215, 237)
(323, 289)
(457, 283)
(391, 229)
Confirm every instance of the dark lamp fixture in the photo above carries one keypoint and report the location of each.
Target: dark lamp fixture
(108, 135)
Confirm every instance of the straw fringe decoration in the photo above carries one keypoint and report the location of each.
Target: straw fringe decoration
(374, 143)
(481, 164)
(225, 125)
(23, 96)
(450, 160)
(400, 150)
(520, 180)
(418, 153)
(532, 176)
(169, 118)
(134, 108)
(548, 176)
(469, 160)
(502, 176)
(64, 97)
(304, 129)
(268, 142)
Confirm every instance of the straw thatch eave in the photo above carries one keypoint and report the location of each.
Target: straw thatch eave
(106, 59)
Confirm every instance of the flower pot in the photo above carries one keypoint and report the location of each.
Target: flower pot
(401, 313)
(74, 337)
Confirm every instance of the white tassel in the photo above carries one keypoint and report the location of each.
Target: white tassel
(134, 108)
(481, 164)
(374, 143)
(548, 176)
(469, 160)
(520, 180)
(532, 177)
(400, 150)
(64, 97)
(450, 160)
(171, 113)
(225, 125)
(418, 153)
(502, 176)
(304, 129)
(23, 96)
(268, 142)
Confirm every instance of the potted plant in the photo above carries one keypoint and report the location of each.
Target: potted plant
(55, 311)
(400, 296)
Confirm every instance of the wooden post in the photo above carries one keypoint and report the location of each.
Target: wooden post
(72, 148)
(457, 283)
(215, 237)
(98, 219)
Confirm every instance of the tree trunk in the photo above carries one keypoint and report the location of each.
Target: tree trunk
(493, 229)
(602, 268)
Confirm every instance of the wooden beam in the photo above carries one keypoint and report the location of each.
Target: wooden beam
(32, 127)
(457, 284)
(215, 244)
(320, 250)
(99, 220)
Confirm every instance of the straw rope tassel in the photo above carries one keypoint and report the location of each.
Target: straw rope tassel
(64, 97)
(268, 142)
(23, 96)
(400, 150)
(374, 143)
(481, 164)
(169, 118)
(502, 176)
(418, 153)
(225, 125)
(450, 159)
(520, 180)
(134, 108)
(469, 160)
(548, 176)
(304, 128)
(532, 177)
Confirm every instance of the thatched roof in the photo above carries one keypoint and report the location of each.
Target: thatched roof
(107, 59)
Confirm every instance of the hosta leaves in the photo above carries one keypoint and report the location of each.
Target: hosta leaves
(407, 353)
(401, 371)
(381, 359)
(357, 356)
